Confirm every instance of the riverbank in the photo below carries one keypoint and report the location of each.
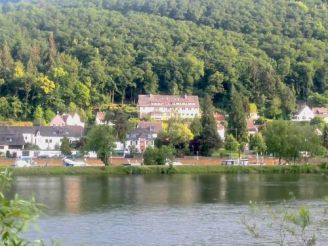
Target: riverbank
(134, 170)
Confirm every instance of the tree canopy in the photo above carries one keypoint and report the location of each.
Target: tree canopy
(56, 53)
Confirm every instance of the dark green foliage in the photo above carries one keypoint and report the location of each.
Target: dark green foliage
(237, 117)
(158, 156)
(121, 124)
(196, 127)
(65, 147)
(289, 140)
(15, 214)
(91, 53)
(231, 143)
(325, 136)
(101, 139)
(210, 139)
(257, 143)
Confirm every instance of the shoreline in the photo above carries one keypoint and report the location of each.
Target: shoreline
(145, 170)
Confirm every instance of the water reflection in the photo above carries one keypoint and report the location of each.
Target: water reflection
(78, 194)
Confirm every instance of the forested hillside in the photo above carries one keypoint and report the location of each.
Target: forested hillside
(78, 55)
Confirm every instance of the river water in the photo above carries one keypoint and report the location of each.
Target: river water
(164, 209)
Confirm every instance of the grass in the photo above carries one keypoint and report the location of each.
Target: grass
(130, 170)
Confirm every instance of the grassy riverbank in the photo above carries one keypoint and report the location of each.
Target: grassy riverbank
(121, 170)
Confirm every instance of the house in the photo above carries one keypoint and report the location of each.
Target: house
(304, 114)
(45, 137)
(220, 120)
(321, 113)
(251, 127)
(67, 120)
(155, 126)
(11, 141)
(164, 107)
(101, 119)
(139, 139)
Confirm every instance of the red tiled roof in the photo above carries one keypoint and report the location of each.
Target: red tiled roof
(320, 110)
(57, 121)
(168, 101)
(156, 126)
(219, 117)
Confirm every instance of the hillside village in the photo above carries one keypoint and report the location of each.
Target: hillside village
(155, 114)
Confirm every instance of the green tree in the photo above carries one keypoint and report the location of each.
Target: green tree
(101, 139)
(210, 139)
(237, 116)
(15, 214)
(158, 156)
(257, 143)
(122, 125)
(39, 116)
(49, 114)
(196, 127)
(179, 134)
(65, 147)
(325, 136)
(288, 140)
(231, 143)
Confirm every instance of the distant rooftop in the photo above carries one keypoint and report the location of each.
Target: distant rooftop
(167, 100)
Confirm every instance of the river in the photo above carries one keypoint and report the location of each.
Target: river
(164, 209)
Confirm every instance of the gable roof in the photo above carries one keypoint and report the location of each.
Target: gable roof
(320, 111)
(146, 133)
(219, 117)
(57, 120)
(167, 101)
(11, 139)
(46, 131)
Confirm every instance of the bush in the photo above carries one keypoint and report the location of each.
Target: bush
(158, 156)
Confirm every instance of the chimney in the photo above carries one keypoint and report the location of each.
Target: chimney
(185, 96)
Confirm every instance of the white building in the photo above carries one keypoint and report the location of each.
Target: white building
(45, 137)
(67, 120)
(139, 139)
(305, 114)
(11, 141)
(164, 107)
(220, 122)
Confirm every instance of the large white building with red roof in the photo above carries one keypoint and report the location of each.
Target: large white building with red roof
(164, 107)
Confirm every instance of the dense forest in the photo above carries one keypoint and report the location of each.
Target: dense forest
(67, 55)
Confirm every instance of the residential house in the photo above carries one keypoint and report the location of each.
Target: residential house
(164, 107)
(220, 121)
(45, 137)
(155, 126)
(67, 120)
(101, 119)
(304, 114)
(139, 139)
(11, 141)
(321, 113)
